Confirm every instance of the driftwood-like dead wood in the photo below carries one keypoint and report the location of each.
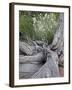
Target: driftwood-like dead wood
(28, 65)
(31, 59)
(29, 50)
(24, 47)
(58, 40)
(26, 70)
(50, 68)
(41, 43)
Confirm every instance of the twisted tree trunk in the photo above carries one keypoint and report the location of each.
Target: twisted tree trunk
(50, 68)
(40, 60)
(34, 58)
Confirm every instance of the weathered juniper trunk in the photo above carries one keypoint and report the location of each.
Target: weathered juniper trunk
(50, 68)
(25, 48)
(30, 64)
(38, 60)
(58, 41)
(58, 37)
(34, 58)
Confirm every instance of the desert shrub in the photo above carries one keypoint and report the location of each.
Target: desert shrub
(38, 25)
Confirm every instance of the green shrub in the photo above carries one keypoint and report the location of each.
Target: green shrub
(38, 25)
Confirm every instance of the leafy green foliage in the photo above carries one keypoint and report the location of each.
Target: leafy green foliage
(26, 25)
(38, 25)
